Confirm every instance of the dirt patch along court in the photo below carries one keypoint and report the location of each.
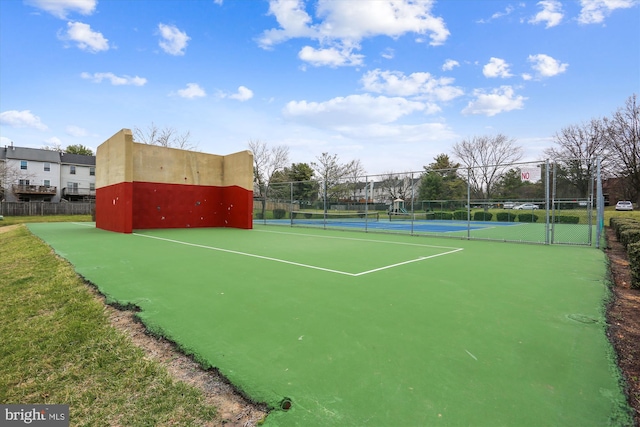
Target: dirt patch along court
(623, 317)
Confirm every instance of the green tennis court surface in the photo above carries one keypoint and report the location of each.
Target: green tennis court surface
(372, 330)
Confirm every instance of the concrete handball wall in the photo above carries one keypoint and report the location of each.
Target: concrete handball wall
(141, 186)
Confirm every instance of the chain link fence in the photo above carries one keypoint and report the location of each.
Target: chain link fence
(546, 202)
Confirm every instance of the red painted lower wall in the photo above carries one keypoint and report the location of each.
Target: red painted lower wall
(156, 205)
(114, 207)
(237, 207)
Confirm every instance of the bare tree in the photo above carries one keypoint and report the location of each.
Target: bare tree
(165, 137)
(623, 138)
(578, 147)
(333, 175)
(354, 176)
(486, 158)
(267, 161)
(10, 174)
(399, 186)
(53, 146)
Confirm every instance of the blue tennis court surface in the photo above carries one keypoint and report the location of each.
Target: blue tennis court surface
(420, 226)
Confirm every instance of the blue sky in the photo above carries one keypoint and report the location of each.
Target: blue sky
(392, 83)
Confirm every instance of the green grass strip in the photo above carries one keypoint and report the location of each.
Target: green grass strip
(57, 347)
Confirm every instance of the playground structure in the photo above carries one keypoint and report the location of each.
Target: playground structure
(140, 186)
(397, 207)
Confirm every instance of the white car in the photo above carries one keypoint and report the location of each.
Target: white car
(624, 205)
(526, 206)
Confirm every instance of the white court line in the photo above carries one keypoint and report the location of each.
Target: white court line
(356, 239)
(297, 263)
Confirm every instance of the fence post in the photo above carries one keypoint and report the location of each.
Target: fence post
(366, 203)
(600, 205)
(468, 203)
(546, 203)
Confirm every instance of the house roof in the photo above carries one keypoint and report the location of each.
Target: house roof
(77, 159)
(34, 154)
(40, 155)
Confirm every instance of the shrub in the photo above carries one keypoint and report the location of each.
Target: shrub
(630, 236)
(308, 215)
(506, 216)
(527, 217)
(258, 215)
(279, 213)
(430, 215)
(622, 224)
(482, 216)
(460, 215)
(442, 215)
(634, 264)
(567, 219)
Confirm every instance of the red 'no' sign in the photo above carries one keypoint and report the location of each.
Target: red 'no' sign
(525, 176)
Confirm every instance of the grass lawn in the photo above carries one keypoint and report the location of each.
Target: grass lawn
(12, 220)
(58, 347)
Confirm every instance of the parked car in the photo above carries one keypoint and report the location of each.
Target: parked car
(509, 205)
(526, 206)
(624, 205)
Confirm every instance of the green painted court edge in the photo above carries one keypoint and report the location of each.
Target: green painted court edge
(494, 334)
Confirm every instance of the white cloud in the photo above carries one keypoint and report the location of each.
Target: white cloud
(546, 66)
(115, 80)
(54, 141)
(388, 53)
(76, 131)
(497, 101)
(85, 37)
(343, 24)
(193, 90)
(352, 110)
(354, 20)
(551, 13)
(398, 133)
(331, 57)
(496, 67)
(173, 41)
(449, 65)
(508, 10)
(526, 76)
(395, 83)
(21, 119)
(243, 94)
(595, 11)
(61, 8)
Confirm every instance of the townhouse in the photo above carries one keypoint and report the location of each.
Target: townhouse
(32, 174)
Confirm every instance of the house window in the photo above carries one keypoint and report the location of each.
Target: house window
(72, 170)
(92, 171)
(23, 182)
(23, 165)
(92, 186)
(47, 167)
(47, 183)
(72, 187)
